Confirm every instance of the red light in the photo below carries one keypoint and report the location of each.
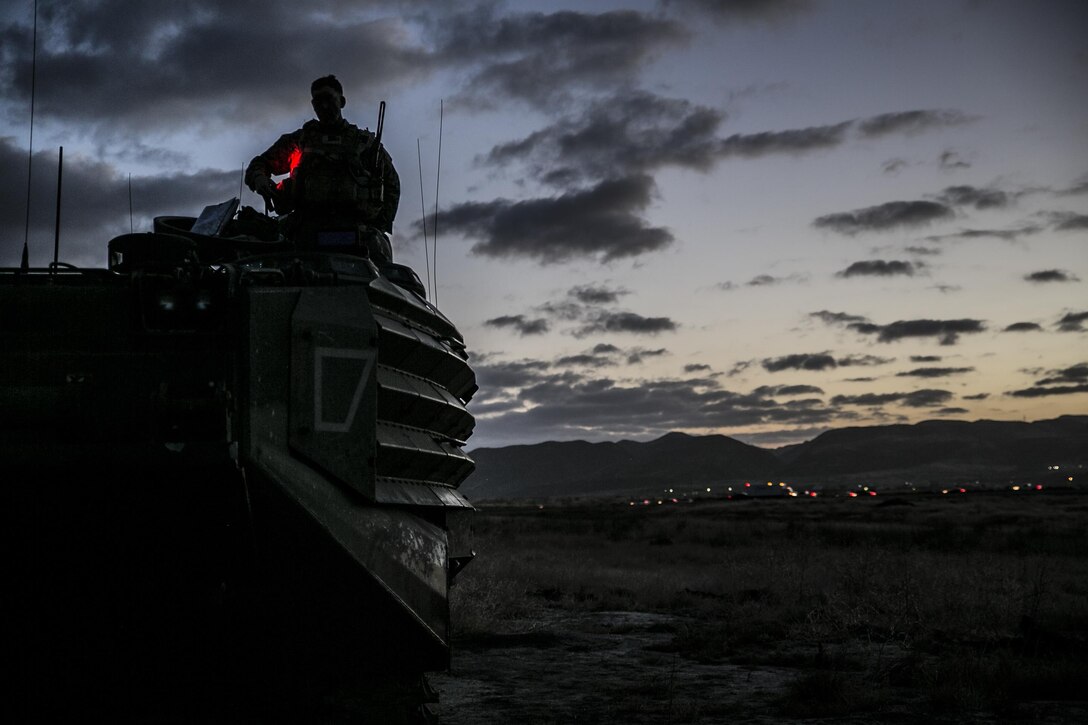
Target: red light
(296, 156)
(963, 490)
(747, 485)
(851, 494)
(1038, 487)
(812, 494)
(872, 493)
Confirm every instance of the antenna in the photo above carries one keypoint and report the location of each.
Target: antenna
(130, 203)
(56, 231)
(423, 209)
(437, 180)
(30, 151)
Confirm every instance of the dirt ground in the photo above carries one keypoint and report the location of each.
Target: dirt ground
(616, 667)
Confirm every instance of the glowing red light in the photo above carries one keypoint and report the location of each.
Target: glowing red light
(1038, 487)
(963, 490)
(872, 493)
(296, 156)
(747, 485)
(851, 494)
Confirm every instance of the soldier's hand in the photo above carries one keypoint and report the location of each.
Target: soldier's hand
(263, 186)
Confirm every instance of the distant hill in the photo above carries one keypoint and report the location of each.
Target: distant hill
(578, 468)
(929, 450)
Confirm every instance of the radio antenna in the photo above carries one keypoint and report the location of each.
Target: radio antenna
(130, 203)
(56, 230)
(437, 181)
(30, 152)
(423, 209)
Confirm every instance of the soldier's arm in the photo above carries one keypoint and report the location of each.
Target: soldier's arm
(274, 161)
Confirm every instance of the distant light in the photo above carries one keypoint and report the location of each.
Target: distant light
(872, 493)
(812, 494)
(674, 500)
(1070, 478)
(1038, 487)
(747, 485)
(944, 490)
(660, 502)
(769, 483)
(670, 490)
(864, 488)
(963, 490)
(781, 485)
(851, 494)
(630, 503)
(708, 489)
(1015, 488)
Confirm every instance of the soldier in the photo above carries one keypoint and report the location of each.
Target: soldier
(343, 191)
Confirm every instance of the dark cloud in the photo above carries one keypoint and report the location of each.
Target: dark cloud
(591, 295)
(977, 396)
(885, 216)
(95, 203)
(793, 141)
(933, 372)
(1005, 235)
(949, 160)
(636, 355)
(948, 331)
(1022, 327)
(1072, 322)
(603, 348)
(520, 323)
(1072, 222)
(733, 11)
(696, 368)
(150, 65)
(915, 399)
(584, 360)
(600, 222)
(911, 122)
(952, 411)
(925, 358)
(630, 322)
(880, 268)
(542, 58)
(630, 132)
(975, 197)
(1051, 275)
(863, 360)
(800, 361)
(837, 318)
(1062, 381)
(794, 390)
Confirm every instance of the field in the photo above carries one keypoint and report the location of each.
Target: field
(959, 608)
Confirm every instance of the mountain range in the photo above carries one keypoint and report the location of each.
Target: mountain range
(926, 453)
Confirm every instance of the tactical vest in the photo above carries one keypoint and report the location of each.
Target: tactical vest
(338, 169)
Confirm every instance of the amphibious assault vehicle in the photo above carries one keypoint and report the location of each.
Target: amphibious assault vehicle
(231, 470)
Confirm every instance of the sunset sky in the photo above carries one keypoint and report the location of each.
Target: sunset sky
(760, 218)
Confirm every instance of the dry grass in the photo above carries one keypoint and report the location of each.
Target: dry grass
(945, 606)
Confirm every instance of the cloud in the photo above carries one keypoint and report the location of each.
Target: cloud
(116, 65)
(103, 203)
(591, 295)
(601, 222)
(799, 361)
(1072, 322)
(1005, 235)
(948, 331)
(973, 196)
(636, 355)
(1072, 222)
(727, 13)
(893, 166)
(837, 318)
(542, 59)
(880, 268)
(696, 368)
(884, 216)
(916, 399)
(933, 372)
(977, 396)
(949, 160)
(584, 360)
(925, 358)
(1062, 381)
(520, 323)
(819, 361)
(1051, 275)
(911, 122)
(923, 251)
(793, 141)
(1022, 327)
(629, 322)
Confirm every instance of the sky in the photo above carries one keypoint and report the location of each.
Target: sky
(758, 218)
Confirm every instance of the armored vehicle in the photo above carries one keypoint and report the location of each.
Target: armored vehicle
(230, 467)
